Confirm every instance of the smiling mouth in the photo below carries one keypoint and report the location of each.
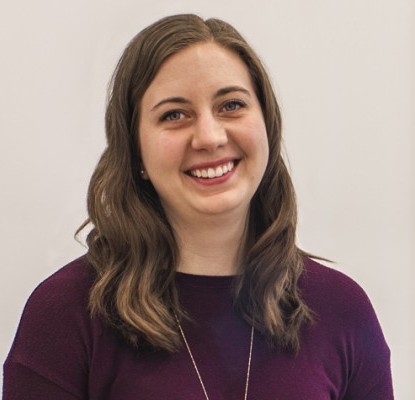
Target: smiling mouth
(216, 172)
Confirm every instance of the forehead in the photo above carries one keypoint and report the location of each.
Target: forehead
(204, 66)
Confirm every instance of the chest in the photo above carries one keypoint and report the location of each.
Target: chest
(222, 362)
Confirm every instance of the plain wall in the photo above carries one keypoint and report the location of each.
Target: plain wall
(344, 74)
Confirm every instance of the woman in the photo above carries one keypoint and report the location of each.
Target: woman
(193, 286)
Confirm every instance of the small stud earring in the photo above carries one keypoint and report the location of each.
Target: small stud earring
(143, 174)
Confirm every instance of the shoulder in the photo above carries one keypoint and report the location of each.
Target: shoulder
(330, 291)
(346, 321)
(63, 295)
(343, 311)
(345, 317)
(68, 286)
(55, 313)
(316, 274)
(60, 302)
(55, 334)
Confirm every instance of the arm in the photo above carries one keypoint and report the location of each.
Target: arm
(22, 383)
(371, 378)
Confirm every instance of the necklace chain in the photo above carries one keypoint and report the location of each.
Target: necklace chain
(197, 369)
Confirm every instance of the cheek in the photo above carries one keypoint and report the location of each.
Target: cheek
(265, 148)
(259, 144)
(160, 153)
(256, 140)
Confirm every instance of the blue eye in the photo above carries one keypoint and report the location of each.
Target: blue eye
(233, 105)
(172, 116)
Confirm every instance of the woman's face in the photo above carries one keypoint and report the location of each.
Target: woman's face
(202, 134)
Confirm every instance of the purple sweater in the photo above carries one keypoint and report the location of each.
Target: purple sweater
(60, 353)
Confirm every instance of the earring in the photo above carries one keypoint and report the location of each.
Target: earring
(143, 174)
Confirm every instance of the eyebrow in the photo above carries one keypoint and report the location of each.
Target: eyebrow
(219, 93)
(230, 89)
(180, 100)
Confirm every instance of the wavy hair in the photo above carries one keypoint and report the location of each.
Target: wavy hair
(132, 245)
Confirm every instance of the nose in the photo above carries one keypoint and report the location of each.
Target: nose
(209, 133)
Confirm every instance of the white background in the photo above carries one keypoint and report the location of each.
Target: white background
(344, 74)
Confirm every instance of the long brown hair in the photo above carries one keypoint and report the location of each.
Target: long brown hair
(132, 245)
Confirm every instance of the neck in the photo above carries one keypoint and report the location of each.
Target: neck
(211, 247)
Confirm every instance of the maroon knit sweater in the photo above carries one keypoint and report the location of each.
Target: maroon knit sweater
(60, 353)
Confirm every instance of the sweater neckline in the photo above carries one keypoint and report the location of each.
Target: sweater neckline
(207, 281)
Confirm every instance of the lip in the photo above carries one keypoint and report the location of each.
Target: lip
(212, 164)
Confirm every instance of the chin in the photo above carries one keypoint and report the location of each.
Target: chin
(223, 207)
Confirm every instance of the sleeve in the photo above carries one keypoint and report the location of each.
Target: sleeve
(370, 376)
(22, 383)
(49, 356)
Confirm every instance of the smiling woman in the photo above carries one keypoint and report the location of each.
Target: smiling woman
(193, 286)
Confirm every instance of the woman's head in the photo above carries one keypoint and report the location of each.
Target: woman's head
(202, 135)
(138, 67)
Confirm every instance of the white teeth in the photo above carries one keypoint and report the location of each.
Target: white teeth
(219, 171)
(213, 172)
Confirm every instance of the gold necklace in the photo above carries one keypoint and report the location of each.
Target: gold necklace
(197, 369)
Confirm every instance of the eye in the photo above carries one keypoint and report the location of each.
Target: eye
(172, 116)
(233, 105)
